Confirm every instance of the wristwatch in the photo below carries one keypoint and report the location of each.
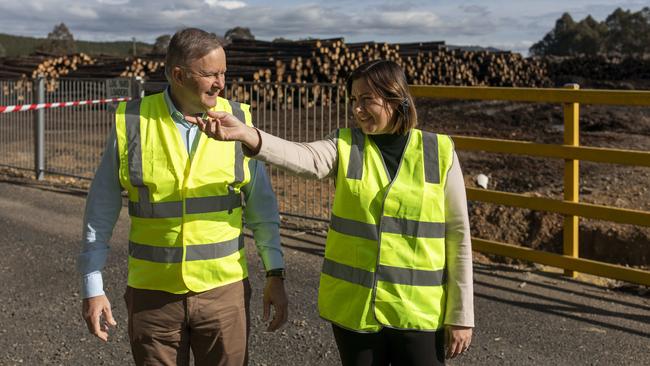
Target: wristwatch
(277, 272)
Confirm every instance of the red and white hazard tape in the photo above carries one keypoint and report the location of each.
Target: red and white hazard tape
(33, 107)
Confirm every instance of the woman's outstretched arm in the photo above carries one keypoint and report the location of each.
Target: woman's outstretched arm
(315, 160)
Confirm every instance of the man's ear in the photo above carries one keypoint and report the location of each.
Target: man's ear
(178, 75)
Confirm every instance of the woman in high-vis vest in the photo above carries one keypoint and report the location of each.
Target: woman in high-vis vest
(396, 281)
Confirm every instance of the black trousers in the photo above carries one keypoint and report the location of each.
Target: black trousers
(390, 347)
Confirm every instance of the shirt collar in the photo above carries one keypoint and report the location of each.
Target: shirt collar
(176, 115)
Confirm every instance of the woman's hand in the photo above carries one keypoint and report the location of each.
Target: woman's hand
(224, 126)
(457, 340)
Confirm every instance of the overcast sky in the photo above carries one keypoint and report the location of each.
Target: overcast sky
(513, 25)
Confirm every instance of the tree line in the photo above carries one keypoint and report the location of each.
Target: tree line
(622, 33)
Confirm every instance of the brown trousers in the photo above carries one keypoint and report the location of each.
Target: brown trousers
(214, 324)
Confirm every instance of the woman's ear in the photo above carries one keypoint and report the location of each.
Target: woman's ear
(405, 107)
(391, 107)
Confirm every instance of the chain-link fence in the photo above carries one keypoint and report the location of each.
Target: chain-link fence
(301, 113)
(16, 129)
(62, 141)
(73, 138)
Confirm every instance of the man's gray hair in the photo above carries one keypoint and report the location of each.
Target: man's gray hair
(189, 44)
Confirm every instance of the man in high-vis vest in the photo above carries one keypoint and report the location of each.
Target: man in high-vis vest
(187, 274)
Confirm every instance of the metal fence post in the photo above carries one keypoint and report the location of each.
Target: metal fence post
(39, 129)
(571, 178)
(137, 87)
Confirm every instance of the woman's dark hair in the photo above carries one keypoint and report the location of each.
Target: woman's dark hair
(387, 80)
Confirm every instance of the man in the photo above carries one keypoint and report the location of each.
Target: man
(188, 278)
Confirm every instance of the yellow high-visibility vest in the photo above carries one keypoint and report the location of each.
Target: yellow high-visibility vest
(186, 214)
(385, 255)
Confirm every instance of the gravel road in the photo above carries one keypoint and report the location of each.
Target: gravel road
(524, 316)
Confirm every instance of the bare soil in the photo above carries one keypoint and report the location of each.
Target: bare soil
(600, 126)
(604, 184)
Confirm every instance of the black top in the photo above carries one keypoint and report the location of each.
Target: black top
(392, 148)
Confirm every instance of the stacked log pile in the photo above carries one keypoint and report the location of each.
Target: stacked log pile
(18, 91)
(599, 67)
(424, 63)
(57, 67)
(250, 60)
(48, 66)
(309, 61)
(332, 60)
(102, 67)
(431, 63)
(19, 67)
(42, 64)
(149, 68)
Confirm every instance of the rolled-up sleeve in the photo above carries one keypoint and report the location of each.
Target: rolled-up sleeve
(262, 217)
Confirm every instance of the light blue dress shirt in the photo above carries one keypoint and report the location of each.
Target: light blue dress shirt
(104, 204)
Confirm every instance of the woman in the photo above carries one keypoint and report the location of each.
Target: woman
(397, 275)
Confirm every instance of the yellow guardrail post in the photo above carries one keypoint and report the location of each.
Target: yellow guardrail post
(570, 96)
(571, 178)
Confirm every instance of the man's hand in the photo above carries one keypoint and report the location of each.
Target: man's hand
(274, 294)
(224, 126)
(96, 311)
(457, 340)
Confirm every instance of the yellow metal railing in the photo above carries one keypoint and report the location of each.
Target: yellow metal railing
(570, 97)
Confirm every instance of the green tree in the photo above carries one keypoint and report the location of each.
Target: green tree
(587, 37)
(59, 42)
(161, 44)
(239, 33)
(556, 42)
(623, 33)
(571, 38)
(629, 33)
(3, 52)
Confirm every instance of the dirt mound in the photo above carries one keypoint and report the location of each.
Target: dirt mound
(605, 184)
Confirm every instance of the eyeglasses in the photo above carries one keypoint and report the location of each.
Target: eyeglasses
(219, 75)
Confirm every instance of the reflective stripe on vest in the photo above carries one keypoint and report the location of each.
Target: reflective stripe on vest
(193, 252)
(403, 276)
(389, 225)
(355, 167)
(239, 153)
(186, 212)
(430, 144)
(158, 210)
(384, 260)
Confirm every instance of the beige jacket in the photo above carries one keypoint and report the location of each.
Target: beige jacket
(318, 160)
